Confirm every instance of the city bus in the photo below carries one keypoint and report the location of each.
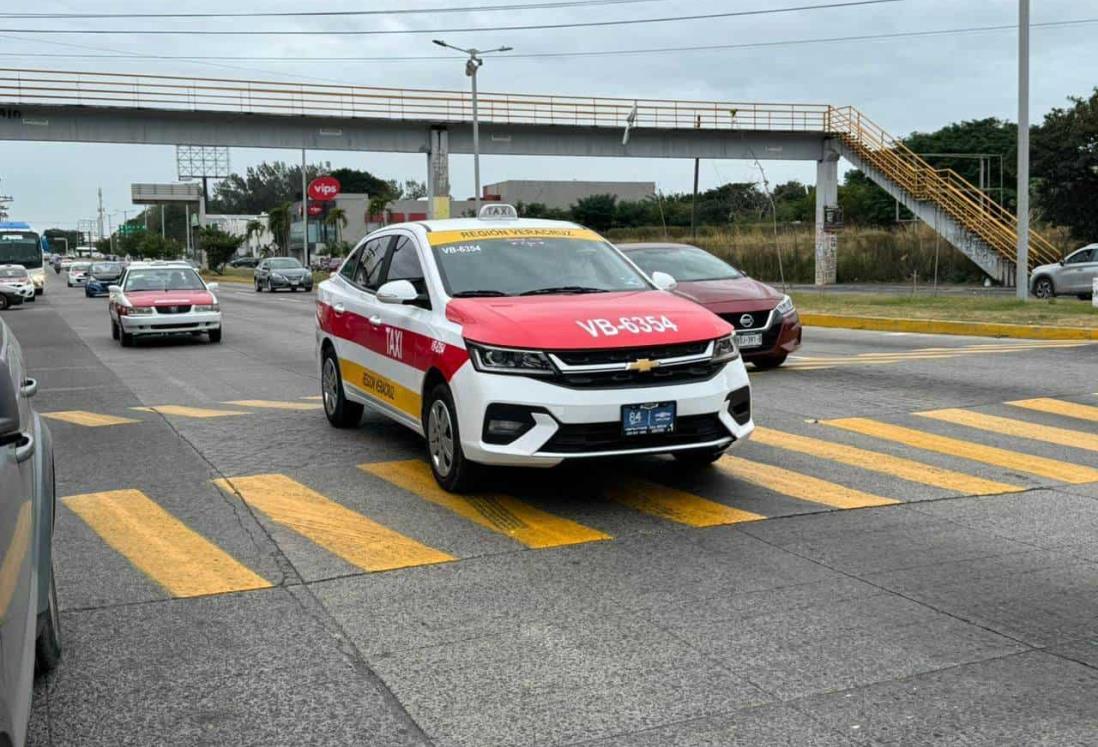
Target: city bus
(22, 245)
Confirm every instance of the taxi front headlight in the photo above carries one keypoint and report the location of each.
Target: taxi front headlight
(785, 306)
(510, 360)
(724, 349)
(207, 307)
(135, 310)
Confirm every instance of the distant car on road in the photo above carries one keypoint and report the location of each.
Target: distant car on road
(244, 262)
(276, 273)
(101, 276)
(1073, 275)
(30, 637)
(160, 298)
(767, 326)
(18, 279)
(78, 273)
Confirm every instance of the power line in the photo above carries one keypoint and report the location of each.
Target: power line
(581, 53)
(466, 29)
(329, 13)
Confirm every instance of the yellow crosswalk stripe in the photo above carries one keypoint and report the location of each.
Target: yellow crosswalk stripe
(347, 534)
(676, 505)
(1011, 460)
(1017, 428)
(509, 516)
(162, 547)
(270, 404)
(797, 485)
(89, 419)
(189, 412)
(875, 461)
(313, 396)
(1059, 407)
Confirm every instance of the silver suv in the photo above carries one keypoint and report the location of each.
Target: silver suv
(1072, 275)
(30, 637)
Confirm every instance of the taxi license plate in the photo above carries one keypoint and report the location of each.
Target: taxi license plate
(651, 417)
(749, 341)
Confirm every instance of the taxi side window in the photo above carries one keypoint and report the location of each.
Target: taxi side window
(349, 267)
(405, 265)
(371, 260)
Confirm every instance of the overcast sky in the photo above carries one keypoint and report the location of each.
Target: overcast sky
(905, 84)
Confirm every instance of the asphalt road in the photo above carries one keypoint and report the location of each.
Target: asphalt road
(900, 556)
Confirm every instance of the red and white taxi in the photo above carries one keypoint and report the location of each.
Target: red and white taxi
(524, 342)
(159, 298)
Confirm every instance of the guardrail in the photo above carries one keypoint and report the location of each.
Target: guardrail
(52, 87)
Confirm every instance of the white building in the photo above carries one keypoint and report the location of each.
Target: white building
(238, 225)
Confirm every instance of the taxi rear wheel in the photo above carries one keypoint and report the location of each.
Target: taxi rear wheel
(451, 469)
(340, 411)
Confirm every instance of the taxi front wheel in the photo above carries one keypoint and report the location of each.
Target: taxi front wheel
(451, 469)
(340, 411)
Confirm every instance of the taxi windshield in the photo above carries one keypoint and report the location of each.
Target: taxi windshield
(13, 272)
(163, 279)
(534, 264)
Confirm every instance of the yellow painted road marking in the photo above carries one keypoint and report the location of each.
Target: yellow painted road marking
(162, 547)
(797, 485)
(314, 396)
(501, 513)
(275, 405)
(189, 412)
(955, 447)
(348, 534)
(676, 505)
(1059, 407)
(1018, 428)
(875, 461)
(90, 419)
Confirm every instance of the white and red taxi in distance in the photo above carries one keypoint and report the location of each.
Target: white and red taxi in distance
(162, 298)
(524, 342)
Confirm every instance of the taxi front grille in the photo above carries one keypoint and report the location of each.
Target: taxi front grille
(182, 309)
(578, 438)
(627, 355)
(682, 374)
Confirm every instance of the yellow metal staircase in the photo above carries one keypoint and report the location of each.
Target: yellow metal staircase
(988, 233)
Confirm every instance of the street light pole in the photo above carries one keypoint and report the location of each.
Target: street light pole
(471, 66)
(1022, 269)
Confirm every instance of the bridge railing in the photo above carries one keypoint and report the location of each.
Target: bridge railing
(121, 90)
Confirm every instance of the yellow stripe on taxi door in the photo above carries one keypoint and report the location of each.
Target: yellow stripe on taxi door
(875, 461)
(800, 486)
(504, 514)
(1011, 460)
(162, 547)
(1059, 407)
(676, 505)
(347, 534)
(1017, 428)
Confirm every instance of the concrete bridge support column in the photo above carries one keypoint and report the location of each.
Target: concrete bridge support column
(438, 174)
(827, 197)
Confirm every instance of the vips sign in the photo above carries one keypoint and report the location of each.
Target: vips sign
(316, 211)
(323, 188)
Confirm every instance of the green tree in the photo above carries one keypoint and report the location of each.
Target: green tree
(254, 228)
(1065, 162)
(219, 246)
(359, 182)
(595, 211)
(279, 219)
(262, 186)
(336, 218)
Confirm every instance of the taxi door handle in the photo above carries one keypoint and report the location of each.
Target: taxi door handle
(24, 447)
(339, 308)
(375, 321)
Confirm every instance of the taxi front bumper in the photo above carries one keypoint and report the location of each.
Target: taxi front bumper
(167, 324)
(24, 290)
(570, 423)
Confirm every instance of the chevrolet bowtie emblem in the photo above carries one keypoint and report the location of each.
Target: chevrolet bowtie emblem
(643, 365)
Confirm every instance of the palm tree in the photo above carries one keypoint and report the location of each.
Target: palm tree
(337, 217)
(278, 220)
(254, 228)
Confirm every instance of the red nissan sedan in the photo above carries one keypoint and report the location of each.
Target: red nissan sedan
(767, 326)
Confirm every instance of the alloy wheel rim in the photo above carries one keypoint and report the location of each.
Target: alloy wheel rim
(1043, 290)
(440, 438)
(330, 386)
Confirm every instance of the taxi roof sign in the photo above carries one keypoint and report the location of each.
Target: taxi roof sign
(498, 211)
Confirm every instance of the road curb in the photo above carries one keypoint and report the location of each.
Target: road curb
(944, 327)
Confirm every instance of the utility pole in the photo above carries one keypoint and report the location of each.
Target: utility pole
(694, 199)
(100, 213)
(163, 229)
(471, 66)
(1022, 269)
(304, 213)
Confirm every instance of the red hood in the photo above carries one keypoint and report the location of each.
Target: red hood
(169, 298)
(724, 296)
(577, 322)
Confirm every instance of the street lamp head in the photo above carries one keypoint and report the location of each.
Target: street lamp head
(440, 43)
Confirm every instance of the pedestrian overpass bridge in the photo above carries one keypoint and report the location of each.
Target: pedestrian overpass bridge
(67, 106)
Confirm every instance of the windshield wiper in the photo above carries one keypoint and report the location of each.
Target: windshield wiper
(479, 293)
(563, 289)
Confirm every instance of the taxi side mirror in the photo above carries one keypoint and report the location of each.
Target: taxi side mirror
(114, 290)
(397, 291)
(664, 281)
(212, 286)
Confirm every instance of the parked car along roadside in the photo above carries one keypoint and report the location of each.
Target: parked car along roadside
(276, 273)
(1073, 275)
(767, 326)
